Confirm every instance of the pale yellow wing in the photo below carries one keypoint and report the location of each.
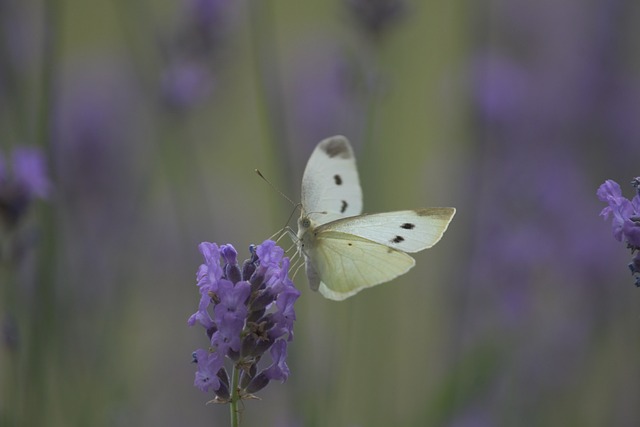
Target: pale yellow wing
(345, 264)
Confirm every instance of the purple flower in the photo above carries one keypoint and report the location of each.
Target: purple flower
(278, 371)
(230, 314)
(245, 312)
(625, 213)
(625, 218)
(269, 254)
(22, 180)
(287, 296)
(210, 272)
(208, 366)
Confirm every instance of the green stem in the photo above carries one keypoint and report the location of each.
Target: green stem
(13, 84)
(40, 341)
(50, 52)
(9, 354)
(235, 397)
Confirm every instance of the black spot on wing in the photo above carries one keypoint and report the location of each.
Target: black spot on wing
(337, 179)
(337, 148)
(407, 226)
(398, 239)
(344, 207)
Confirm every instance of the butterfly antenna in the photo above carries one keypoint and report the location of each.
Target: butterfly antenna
(276, 189)
(286, 230)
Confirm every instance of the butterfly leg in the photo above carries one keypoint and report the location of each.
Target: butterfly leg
(296, 267)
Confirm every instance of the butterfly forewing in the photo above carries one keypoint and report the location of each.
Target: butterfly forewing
(330, 184)
(408, 231)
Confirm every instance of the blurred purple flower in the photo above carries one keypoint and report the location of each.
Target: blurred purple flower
(501, 88)
(542, 92)
(625, 218)
(22, 180)
(208, 15)
(101, 155)
(252, 313)
(327, 94)
(186, 84)
(100, 124)
(191, 51)
(376, 16)
(29, 170)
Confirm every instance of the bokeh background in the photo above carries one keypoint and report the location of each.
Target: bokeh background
(152, 117)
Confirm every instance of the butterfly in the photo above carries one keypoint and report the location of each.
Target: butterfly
(346, 251)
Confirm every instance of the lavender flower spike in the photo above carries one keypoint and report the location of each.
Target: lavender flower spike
(625, 215)
(245, 311)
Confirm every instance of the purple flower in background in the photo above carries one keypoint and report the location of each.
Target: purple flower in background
(186, 84)
(29, 170)
(546, 90)
(22, 180)
(625, 218)
(191, 51)
(208, 15)
(328, 93)
(376, 16)
(245, 312)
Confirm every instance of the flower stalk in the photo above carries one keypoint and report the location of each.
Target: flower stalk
(235, 397)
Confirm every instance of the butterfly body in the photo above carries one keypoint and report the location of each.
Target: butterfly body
(346, 251)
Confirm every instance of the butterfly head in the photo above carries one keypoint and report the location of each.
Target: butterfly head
(307, 224)
(310, 220)
(304, 224)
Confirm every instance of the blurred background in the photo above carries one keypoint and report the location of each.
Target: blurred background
(152, 116)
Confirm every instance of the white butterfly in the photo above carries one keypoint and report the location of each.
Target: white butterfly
(346, 251)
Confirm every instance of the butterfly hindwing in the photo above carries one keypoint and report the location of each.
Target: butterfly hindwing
(330, 184)
(408, 231)
(346, 264)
